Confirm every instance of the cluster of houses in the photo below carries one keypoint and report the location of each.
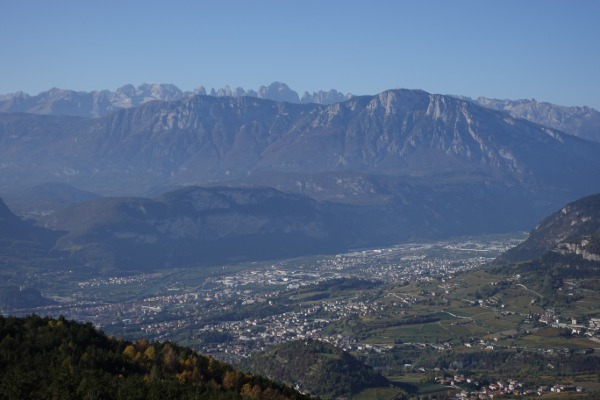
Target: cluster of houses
(509, 388)
(559, 389)
(251, 334)
(577, 328)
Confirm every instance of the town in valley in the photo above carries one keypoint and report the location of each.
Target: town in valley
(232, 311)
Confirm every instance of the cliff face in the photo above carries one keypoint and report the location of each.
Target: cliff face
(574, 230)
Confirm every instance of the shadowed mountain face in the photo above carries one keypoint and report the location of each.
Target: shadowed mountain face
(45, 198)
(194, 226)
(15, 232)
(23, 245)
(200, 226)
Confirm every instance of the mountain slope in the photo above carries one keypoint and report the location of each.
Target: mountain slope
(574, 231)
(194, 226)
(202, 139)
(21, 239)
(561, 254)
(24, 248)
(47, 358)
(317, 367)
(579, 121)
(208, 225)
(46, 198)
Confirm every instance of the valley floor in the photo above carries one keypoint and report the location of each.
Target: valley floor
(424, 314)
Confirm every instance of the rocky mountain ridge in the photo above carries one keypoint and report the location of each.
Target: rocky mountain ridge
(100, 103)
(583, 122)
(574, 230)
(209, 139)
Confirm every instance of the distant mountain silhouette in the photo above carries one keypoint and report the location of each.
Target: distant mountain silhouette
(100, 103)
(583, 122)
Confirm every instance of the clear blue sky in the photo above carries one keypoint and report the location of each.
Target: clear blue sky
(543, 49)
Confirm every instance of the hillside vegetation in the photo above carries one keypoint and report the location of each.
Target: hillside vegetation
(318, 367)
(43, 358)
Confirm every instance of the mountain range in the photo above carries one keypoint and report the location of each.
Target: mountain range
(370, 170)
(100, 103)
(204, 139)
(583, 122)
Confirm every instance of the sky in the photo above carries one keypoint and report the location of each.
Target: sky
(543, 49)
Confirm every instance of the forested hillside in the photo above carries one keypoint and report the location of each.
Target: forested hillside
(318, 367)
(43, 358)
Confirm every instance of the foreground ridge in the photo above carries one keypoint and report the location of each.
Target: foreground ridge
(56, 358)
